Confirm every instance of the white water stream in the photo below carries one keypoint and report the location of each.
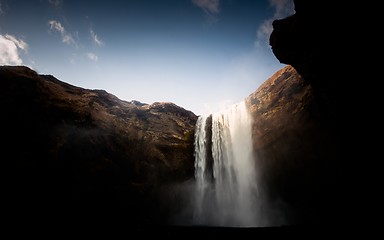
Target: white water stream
(225, 172)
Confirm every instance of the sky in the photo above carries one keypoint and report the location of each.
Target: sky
(202, 55)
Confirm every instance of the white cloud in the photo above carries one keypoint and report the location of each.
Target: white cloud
(9, 50)
(19, 42)
(263, 32)
(282, 8)
(65, 37)
(209, 6)
(96, 39)
(92, 56)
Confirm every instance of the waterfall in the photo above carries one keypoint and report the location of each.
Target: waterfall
(226, 191)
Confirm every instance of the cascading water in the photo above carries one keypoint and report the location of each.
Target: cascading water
(226, 181)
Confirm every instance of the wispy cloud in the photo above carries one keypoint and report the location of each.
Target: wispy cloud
(1, 9)
(55, 3)
(65, 37)
(95, 38)
(92, 56)
(282, 8)
(9, 50)
(210, 7)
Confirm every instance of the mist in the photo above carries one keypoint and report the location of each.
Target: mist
(227, 190)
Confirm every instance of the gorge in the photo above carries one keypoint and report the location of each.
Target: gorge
(85, 155)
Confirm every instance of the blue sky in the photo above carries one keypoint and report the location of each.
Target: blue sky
(198, 54)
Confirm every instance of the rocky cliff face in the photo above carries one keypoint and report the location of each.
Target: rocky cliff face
(295, 150)
(72, 150)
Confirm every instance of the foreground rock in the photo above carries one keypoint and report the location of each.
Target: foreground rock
(313, 41)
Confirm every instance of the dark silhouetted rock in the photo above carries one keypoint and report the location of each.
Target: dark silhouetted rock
(85, 154)
(319, 40)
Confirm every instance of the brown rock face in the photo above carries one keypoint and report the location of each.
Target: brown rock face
(294, 146)
(69, 150)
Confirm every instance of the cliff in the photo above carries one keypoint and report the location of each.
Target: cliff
(79, 152)
(296, 153)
